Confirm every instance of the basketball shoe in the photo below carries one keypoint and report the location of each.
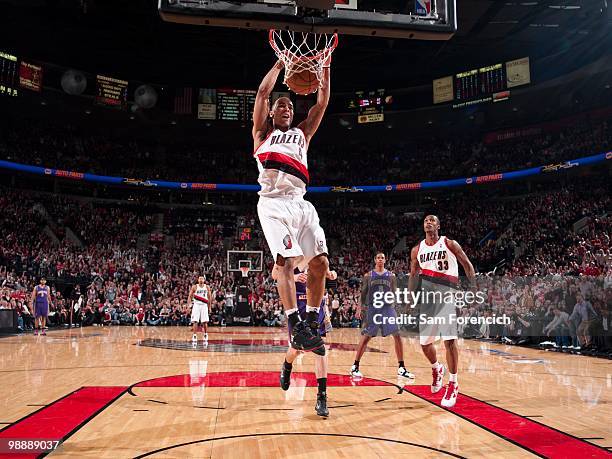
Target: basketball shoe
(355, 373)
(437, 375)
(303, 339)
(285, 377)
(321, 406)
(450, 396)
(401, 371)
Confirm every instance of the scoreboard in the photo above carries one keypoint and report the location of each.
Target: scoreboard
(369, 105)
(9, 74)
(111, 92)
(235, 104)
(481, 82)
(226, 104)
(484, 84)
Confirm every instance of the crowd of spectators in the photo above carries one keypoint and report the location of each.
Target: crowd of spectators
(120, 283)
(563, 312)
(134, 263)
(371, 160)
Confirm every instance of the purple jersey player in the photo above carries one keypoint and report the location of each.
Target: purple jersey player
(379, 280)
(323, 320)
(40, 306)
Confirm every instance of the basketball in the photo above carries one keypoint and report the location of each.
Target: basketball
(303, 83)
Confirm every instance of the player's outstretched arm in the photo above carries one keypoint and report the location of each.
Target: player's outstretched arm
(262, 102)
(315, 115)
(463, 259)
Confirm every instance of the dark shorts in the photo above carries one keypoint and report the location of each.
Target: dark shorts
(41, 310)
(320, 319)
(376, 324)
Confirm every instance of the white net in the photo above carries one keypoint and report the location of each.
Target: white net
(301, 51)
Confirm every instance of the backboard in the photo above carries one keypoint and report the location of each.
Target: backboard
(412, 19)
(251, 258)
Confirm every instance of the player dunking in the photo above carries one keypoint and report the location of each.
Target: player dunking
(378, 280)
(40, 306)
(436, 257)
(199, 298)
(324, 326)
(289, 223)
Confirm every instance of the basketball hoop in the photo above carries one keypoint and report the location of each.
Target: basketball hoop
(300, 51)
(245, 271)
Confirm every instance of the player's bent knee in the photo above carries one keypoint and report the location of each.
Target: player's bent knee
(319, 264)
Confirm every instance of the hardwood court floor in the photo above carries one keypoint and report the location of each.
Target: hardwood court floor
(134, 391)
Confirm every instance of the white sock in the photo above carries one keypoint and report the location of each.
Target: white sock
(312, 309)
(452, 377)
(435, 365)
(290, 311)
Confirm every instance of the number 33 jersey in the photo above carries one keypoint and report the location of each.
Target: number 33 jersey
(438, 263)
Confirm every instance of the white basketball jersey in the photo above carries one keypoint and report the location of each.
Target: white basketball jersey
(438, 264)
(282, 163)
(201, 294)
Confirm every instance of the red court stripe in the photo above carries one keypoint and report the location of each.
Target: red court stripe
(59, 419)
(256, 379)
(528, 434)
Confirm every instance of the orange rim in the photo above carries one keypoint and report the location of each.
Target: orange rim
(329, 49)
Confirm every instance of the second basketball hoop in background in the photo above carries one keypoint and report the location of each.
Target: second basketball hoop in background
(305, 55)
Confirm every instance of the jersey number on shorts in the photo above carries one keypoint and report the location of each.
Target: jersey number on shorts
(443, 265)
